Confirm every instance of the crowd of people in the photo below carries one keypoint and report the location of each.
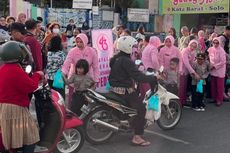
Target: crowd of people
(195, 65)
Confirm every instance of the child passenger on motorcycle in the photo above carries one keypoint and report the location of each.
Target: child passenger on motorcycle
(81, 82)
(18, 128)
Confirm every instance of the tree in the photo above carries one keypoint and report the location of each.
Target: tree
(4, 7)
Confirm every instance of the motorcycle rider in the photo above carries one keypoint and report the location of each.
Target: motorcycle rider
(122, 76)
(18, 128)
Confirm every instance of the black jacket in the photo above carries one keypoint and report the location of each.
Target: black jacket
(124, 72)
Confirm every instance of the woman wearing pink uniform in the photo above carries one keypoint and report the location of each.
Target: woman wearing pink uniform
(168, 52)
(217, 58)
(150, 54)
(150, 61)
(81, 51)
(188, 55)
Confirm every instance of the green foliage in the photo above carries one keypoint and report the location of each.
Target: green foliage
(4, 7)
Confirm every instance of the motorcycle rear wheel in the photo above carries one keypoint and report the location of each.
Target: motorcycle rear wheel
(97, 134)
(170, 116)
(73, 142)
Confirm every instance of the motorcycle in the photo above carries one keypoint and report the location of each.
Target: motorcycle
(60, 129)
(106, 113)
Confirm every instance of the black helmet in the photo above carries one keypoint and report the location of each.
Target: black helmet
(14, 52)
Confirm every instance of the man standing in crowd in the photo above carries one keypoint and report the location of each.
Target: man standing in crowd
(225, 39)
(35, 47)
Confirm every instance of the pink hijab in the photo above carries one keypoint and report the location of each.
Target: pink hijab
(171, 39)
(154, 41)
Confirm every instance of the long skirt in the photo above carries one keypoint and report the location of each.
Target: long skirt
(18, 128)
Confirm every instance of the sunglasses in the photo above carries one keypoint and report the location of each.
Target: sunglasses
(215, 42)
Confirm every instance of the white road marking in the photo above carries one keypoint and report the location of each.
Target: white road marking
(167, 137)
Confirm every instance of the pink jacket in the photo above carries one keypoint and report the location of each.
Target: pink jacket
(150, 54)
(87, 53)
(217, 58)
(188, 57)
(167, 53)
(202, 44)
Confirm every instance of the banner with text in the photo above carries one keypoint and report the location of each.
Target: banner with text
(83, 4)
(194, 6)
(103, 43)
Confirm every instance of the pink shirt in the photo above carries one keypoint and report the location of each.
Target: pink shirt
(150, 58)
(88, 54)
(217, 58)
(150, 54)
(166, 54)
(202, 44)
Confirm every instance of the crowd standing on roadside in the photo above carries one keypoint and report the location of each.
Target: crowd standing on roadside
(196, 65)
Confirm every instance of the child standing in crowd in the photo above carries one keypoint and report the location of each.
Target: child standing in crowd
(81, 82)
(55, 60)
(172, 76)
(202, 68)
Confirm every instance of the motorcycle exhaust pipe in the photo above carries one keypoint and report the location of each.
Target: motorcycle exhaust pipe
(112, 127)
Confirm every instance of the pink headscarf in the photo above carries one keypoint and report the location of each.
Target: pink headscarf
(84, 38)
(171, 39)
(154, 41)
(193, 41)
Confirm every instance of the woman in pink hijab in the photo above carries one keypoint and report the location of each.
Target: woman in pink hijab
(168, 52)
(81, 51)
(150, 54)
(217, 58)
(201, 36)
(150, 61)
(188, 55)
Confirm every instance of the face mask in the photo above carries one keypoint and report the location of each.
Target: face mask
(56, 30)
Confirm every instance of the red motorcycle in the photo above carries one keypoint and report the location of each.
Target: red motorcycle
(60, 129)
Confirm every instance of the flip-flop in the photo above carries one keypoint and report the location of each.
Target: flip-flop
(143, 143)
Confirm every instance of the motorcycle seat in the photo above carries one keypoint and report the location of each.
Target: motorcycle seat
(114, 97)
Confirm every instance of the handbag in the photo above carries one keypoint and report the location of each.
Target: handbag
(58, 81)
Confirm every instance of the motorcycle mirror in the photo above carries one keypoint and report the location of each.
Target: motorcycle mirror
(137, 62)
(28, 69)
(161, 69)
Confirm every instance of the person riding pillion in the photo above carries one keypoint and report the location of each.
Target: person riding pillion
(122, 77)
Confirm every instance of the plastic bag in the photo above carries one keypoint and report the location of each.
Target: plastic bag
(228, 82)
(199, 86)
(107, 86)
(58, 80)
(153, 103)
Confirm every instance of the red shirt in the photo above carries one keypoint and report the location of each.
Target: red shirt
(15, 85)
(35, 48)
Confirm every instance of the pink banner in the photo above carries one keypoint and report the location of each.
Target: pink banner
(103, 43)
(13, 8)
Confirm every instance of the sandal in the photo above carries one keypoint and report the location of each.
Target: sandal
(142, 143)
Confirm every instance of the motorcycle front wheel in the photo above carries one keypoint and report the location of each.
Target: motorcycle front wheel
(96, 133)
(170, 115)
(71, 141)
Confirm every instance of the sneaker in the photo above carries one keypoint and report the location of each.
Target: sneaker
(40, 149)
(202, 109)
(196, 109)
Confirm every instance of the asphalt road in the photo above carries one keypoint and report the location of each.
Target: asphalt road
(197, 132)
